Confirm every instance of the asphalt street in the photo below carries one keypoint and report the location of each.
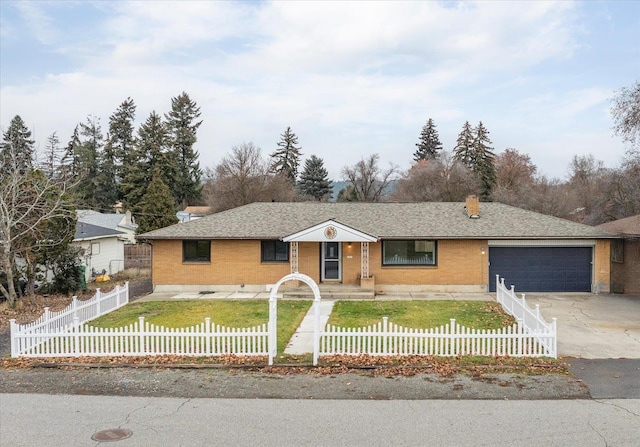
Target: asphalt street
(45, 420)
(608, 378)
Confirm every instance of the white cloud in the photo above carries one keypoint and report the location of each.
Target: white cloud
(38, 21)
(351, 78)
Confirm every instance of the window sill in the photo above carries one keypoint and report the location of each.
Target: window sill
(196, 262)
(410, 266)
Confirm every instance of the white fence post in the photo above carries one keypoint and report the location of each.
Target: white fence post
(554, 327)
(126, 295)
(46, 318)
(74, 303)
(141, 348)
(76, 338)
(14, 337)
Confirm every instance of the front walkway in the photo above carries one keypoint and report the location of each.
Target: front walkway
(302, 340)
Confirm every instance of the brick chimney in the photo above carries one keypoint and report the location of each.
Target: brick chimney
(472, 206)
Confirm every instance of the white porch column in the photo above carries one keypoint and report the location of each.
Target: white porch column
(364, 260)
(294, 257)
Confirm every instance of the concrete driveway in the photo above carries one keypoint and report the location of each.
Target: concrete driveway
(593, 326)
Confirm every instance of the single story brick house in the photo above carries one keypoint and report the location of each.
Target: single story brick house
(625, 254)
(385, 247)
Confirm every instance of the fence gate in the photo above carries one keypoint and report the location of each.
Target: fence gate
(273, 314)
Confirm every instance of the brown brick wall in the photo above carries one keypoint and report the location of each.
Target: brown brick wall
(232, 262)
(460, 263)
(602, 267)
(238, 262)
(626, 275)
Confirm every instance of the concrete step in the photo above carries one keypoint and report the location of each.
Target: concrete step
(331, 293)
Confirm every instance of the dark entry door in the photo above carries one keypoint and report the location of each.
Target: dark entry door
(331, 261)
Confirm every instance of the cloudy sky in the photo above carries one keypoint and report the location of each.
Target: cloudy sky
(351, 79)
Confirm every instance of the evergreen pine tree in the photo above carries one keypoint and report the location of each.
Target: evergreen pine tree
(485, 160)
(70, 165)
(429, 143)
(16, 148)
(118, 152)
(149, 152)
(474, 151)
(52, 158)
(88, 152)
(182, 125)
(314, 179)
(463, 152)
(158, 209)
(286, 158)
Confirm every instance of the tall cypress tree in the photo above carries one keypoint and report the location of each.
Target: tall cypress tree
(16, 148)
(429, 144)
(183, 126)
(314, 179)
(286, 158)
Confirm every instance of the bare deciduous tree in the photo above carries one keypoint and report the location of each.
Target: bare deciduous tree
(32, 207)
(243, 177)
(443, 180)
(515, 176)
(368, 182)
(626, 114)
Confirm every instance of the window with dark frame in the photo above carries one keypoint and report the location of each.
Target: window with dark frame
(409, 253)
(274, 251)
(196, 251)
(617, 251)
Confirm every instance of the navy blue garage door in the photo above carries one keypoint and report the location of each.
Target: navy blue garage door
(541, 269)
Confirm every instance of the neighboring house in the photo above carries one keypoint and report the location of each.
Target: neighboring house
(625, 254)
(381, 246)
(103, 249)
(193, 213)
(121, 222)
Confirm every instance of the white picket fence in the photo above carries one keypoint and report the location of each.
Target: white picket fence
(452, 339)
(143, 338)
(531, 319)
(26, 337)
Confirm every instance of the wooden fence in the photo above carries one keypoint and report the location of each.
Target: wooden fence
(385, 338)
(137, 256)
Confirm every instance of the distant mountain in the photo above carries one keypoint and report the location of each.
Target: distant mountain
(336, 187)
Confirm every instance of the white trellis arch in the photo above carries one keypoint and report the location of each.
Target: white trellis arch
(273, 314)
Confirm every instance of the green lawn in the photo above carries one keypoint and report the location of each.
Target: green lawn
(420, 314)
(177, 314)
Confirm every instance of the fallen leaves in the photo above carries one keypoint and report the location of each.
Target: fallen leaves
(376, 366)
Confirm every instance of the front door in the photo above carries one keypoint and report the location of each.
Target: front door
(331, 264)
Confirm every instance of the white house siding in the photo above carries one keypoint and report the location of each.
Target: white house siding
(110, 258)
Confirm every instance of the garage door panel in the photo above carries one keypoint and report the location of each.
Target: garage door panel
(542, 269)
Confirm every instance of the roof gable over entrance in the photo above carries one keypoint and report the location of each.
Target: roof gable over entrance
(329, 231)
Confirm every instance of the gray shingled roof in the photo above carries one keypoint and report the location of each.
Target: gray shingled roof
(88, 231)
(103, 219)
(433, 220)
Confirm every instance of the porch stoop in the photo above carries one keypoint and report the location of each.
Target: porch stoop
(332, 292)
